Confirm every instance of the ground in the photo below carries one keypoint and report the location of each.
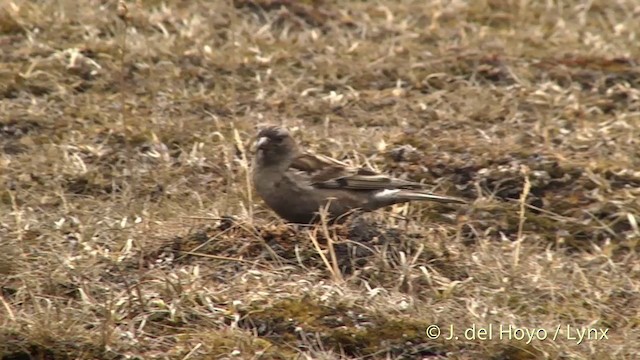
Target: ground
(129, 228)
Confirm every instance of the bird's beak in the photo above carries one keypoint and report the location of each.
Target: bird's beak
(259, 144)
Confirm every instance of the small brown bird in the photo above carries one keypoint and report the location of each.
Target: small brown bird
(297, 184)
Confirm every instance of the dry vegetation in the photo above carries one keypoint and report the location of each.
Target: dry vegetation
(128, 228)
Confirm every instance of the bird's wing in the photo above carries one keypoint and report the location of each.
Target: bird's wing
(310, 162)
(329, 173)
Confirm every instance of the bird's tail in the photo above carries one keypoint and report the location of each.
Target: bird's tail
(401, 195)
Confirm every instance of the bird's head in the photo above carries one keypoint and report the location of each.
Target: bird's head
(275, 145)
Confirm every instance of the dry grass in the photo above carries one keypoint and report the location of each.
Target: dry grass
(119, 172)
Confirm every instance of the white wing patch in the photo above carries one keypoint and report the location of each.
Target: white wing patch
(386, 193)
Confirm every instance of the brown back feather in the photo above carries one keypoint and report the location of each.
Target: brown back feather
(329, 173)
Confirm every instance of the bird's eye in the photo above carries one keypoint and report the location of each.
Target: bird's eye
(278, 139)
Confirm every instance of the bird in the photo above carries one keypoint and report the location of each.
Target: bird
(298, 184)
